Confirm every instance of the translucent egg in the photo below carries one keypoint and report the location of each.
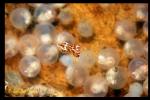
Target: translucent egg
(96, 85)
(28, 44)
(65, 17)
(64, 37)
(141, 11)
(44, 31)
(87, 59)
(20, 18)
(66, 60)
(13, 78)
(145, 28)
(107, 58)
(138, 68)
(29, 66)
(11, 46)
(85, 29)
(44, 13)
(145, 86)
(134, 48)
(48, 54)
(117, 77)
(136, 89)
(125, 30)
(76, 75)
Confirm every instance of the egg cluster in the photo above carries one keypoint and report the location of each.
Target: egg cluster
(40, 47)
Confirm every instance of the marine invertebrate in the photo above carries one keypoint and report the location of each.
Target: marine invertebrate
(88, 71)
(69, 48)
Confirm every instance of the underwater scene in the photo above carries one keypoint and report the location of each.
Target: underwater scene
(76, 50)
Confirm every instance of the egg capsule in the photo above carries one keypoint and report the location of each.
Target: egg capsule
(64, 37)
(125, 30)
(28, 44)
(138, 68)
(107, 58)
(11, 46)
(134, 48)
(66, 60)
(88, 58)
(44, 13)
(85, 29)
(117, 77)
(96, 85)
(44, 31)
(76, 75)
(135, 89)
(20, 18)
(141, 12)
(65, 17)
(48, 54)
(29, 66)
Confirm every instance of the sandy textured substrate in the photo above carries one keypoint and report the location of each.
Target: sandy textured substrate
(103, 21)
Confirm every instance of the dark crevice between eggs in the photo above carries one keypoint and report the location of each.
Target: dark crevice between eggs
(139, 25)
